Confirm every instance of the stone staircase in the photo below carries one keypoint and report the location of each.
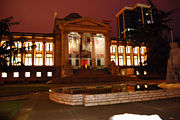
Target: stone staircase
(91, 75)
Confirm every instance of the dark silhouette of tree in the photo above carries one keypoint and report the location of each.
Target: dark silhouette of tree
(154, 36)
(8, 48)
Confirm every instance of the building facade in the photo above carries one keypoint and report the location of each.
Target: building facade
(80, 42)
(76, 42)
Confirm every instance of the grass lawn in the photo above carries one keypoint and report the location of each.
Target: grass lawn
(19, 89)
(8, 109)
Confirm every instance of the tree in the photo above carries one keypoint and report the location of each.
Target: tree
(154, 37)
(8, 48)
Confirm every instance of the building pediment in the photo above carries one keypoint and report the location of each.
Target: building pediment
(85, 22)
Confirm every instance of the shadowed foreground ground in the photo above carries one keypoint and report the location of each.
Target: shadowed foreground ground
(39, 107)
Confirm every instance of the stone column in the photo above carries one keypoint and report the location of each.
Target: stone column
(107, 50)
(44, 52)
(117, 55)
(33, 52)
(93, 51)
(132, 55)
(65, 49)
(22, 54)
(139, 55)
(80, 48)
(124, 56)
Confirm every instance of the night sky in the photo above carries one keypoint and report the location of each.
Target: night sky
(38, 15)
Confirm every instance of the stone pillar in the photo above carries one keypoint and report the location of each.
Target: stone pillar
(117, 55)
(44, 52)
(107, 50)
(33, 52)
(93, 52)
(139, 55)
(80, 49)
(22, 54)
(124, 56)
(132, 55)
(65, 49)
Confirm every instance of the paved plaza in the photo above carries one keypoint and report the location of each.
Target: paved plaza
(39, 107)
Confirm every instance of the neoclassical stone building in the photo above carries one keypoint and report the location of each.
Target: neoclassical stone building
(81, 42)
(76, 42)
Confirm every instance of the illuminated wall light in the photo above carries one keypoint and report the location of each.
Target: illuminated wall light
(4, 75)
(137, 72)
(27, 74)
(16, 74)
(145, 73)
(38, 74)
(138, 86)
(146, 86)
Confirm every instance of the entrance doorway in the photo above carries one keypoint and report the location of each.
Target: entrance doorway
(84, 63)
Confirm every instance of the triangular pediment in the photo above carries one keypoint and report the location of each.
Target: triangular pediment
(86, 21)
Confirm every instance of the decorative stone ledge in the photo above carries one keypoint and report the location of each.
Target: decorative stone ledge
(111, 98)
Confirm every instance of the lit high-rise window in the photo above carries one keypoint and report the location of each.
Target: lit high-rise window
(49, 46)
(28, 46)
(38, 59)
(28, 59)
(120, 49)
(128, 50)
(128, 60)
(49, 59)
(121, 60)
(38, 46)
(135, 60)
(113, 49)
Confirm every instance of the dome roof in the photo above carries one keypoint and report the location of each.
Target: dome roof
(72, 16)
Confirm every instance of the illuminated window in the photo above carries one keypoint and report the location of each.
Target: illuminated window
(120, 49)
(128, 60)
(28, 59)
(142, 60)
(135, 60)
(38, 59)
(18, 45)
(121, 60)
(39, 46)
(49, 74)
(38, 74)
(16, 74)
(27, 74)
(128, 50)
(17, 60)
(113, 49)
(113, 58)
(4, 74)
(135, 50)
(142, 50)
(49, 59)
(28, 46)
(49, 46)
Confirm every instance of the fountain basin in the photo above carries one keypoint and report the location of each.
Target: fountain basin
(106, 95)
